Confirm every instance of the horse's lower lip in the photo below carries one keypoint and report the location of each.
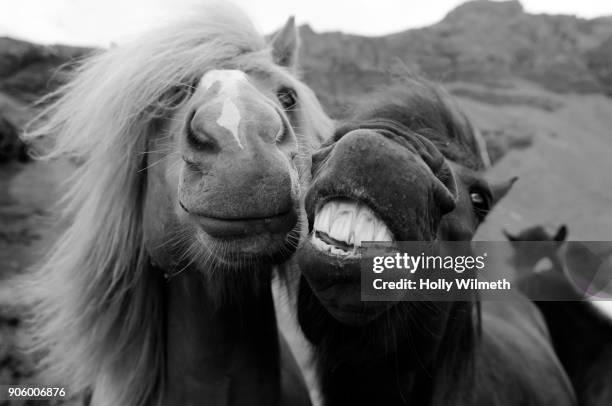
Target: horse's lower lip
(327, 272)
(280, 223)
(356, 312)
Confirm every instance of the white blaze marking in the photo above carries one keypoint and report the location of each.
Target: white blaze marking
(229, 78)
(229, 81)
(230, 119)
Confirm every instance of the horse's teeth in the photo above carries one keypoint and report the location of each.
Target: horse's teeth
(351, 238)
(327, 218)
(340, 227)
(350, 222)
(364, 228)
(319, 222)
(322, 219)
(383, 234)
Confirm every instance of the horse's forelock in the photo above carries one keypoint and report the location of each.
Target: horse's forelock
(96, 305)
(429, 110)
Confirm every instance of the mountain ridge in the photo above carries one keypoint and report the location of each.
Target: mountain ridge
(481, 41)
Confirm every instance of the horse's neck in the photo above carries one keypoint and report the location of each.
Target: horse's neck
(418, 372)
(220, 353)
(391, 365)
(393, 360)
(386, 381)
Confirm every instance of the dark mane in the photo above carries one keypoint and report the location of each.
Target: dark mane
(425, 108)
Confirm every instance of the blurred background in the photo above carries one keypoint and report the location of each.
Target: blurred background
(535, 77)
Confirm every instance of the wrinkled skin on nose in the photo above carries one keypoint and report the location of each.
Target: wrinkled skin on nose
(238, 153)
(406, 180)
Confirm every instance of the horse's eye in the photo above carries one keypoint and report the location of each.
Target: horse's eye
(287, 98)
(477, 198)
(176, 96)
(481, 203)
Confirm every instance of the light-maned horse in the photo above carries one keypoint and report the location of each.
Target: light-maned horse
(407, 167)
(194, 140)
(580, 331)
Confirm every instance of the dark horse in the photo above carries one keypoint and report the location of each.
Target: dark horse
(581, 334)
(406, 167)
(536, 256)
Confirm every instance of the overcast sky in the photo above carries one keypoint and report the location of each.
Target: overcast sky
(100, 22)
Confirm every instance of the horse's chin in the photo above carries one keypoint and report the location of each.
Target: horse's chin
(246, 251)
(335, 280)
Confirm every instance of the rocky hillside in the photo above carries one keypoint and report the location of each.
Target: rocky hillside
(485, 42)
(489, 43)
(27, 72)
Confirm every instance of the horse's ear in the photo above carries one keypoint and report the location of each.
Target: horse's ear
(500, 189)
(286, 44)
(561, 234)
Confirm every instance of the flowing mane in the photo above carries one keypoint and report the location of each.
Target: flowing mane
(96, 311)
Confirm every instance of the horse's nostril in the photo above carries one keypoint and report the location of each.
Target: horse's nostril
(447, 177)
(198, 138)
(445, 189)
(201, 141)
(319, 156)
(446, 200)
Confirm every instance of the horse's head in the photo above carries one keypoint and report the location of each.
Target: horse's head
(535, 249)
(224, 173)
(405, 168)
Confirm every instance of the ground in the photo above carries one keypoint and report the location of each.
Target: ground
(27, 195)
